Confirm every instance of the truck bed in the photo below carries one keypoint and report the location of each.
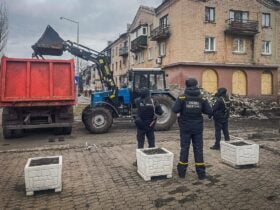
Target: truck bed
(34, 82)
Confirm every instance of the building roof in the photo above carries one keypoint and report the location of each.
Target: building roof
(272, 4)
(149, 10)
(123, 35)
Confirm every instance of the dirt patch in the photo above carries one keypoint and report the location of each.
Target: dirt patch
(188, 198)
(181, 189)
(246, 190)
(154, 151)
(51, 139)
(44, 161)
(240, 143)
(162, 202)
(197, 183)
(79, 109)
(213, 180)
(20, 188)
(61, 139)
(271, 198)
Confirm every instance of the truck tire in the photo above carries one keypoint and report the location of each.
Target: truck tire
(98, 120)
(63, 131)
(168, 118)
(58, 131)
(67, 130)
(17, 133)
(7, 133)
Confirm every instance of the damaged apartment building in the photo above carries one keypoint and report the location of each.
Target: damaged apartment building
(231, 43)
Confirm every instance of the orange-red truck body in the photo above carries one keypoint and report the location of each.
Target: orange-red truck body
(34, 82)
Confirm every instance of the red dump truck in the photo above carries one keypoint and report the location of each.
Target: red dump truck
(36, 94)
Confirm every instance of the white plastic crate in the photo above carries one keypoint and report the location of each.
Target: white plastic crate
(150, 165)
(239, 155)
(43, 175)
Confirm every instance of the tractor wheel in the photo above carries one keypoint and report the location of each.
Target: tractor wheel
(86, 109)
(168, 118)
(98, 120)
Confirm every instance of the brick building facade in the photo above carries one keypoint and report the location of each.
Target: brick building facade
(231, 43)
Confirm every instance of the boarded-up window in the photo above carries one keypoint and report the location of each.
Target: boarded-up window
(239, 83)
(266, 83)
(210, 81)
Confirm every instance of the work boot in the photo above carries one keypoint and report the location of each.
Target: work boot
(134, 163)
(201, 176)
(215, 147)
(181, 170)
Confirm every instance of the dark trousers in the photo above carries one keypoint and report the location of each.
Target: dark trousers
(141, 133)
(197, 142)
(221, 126)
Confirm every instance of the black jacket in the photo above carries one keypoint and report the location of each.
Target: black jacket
(147, 109)
(221, 107)
(191, 106)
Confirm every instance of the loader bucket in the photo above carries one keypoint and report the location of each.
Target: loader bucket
(50, 43)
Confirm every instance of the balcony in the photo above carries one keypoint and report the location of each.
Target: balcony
(139, 43)
(160, 33)
(123, 51)
(242, 27)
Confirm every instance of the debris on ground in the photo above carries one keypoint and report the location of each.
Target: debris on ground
(250, 108)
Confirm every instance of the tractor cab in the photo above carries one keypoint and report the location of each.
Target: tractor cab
(151, 78)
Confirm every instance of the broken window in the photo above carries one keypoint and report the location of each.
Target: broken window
(266, 83)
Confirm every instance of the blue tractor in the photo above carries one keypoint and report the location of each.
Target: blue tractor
(112, 102)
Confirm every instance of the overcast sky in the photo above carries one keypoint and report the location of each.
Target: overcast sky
(100, 21)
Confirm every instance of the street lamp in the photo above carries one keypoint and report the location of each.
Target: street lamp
(78, 32)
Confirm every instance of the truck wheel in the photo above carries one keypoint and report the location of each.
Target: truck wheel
(168, 118)
(98, 120)
(7, 133)
(58, 131)
(67, 130)
(17, 133)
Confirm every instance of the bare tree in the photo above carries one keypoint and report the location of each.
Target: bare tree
(3, 26)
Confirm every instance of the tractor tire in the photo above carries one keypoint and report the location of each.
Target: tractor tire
(98, 120)
(7, 133)
(168, 118)
(86, 112)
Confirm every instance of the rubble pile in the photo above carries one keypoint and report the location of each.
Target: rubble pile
(247, 107)
(250, 108)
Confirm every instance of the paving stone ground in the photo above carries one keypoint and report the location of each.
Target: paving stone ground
(103, 177)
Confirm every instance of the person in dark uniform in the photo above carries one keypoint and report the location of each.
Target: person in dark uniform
(191, 106)
(145, 120)
(143, 82)
(221, 110)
